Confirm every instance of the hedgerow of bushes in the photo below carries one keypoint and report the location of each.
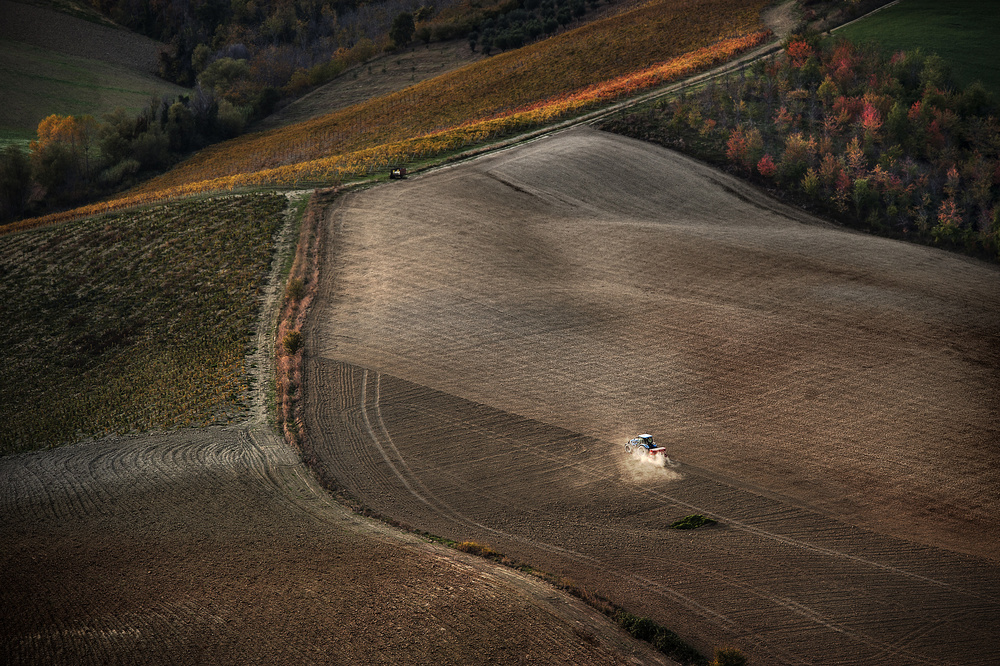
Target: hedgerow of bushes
(886, 144)
(131, 321)
(80, 158)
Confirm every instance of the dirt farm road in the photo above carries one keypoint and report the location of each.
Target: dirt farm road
(489, 334)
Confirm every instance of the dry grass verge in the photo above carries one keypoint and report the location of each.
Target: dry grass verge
(299, 293)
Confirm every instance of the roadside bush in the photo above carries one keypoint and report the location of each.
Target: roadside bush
(292, 342)
(639, 627)
(474, 548)
(296, 289)
(729, 657)
(664, 640)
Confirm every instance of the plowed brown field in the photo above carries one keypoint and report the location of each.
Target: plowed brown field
(488, 335)
(217, 547)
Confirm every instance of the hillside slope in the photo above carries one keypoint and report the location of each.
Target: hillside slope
(489, 335)
(56, 63)
(353, 141)
(215, 546)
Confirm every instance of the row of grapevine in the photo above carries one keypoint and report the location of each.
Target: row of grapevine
(548, 80)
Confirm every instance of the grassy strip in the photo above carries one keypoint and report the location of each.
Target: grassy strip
(131, 321)
(300, 290)
(963, 32)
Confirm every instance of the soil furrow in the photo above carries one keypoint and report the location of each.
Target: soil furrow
(800, 374)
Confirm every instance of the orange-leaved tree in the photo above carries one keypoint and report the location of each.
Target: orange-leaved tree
(62, 152)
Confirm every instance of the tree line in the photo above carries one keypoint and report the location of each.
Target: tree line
(885, 143)
(267, 49)
(80, 158)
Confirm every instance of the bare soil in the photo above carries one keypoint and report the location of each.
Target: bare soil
(488, 335)
(781, 18)
(218, 546)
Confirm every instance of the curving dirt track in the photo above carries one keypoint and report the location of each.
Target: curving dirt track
(489, 334)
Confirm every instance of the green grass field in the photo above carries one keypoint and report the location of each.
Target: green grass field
(75, 8)
(48, 82)
(131, 321)
(963, 32)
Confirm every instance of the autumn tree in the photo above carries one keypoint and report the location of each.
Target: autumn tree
(61, 155)
(402, 29)
(15, 182)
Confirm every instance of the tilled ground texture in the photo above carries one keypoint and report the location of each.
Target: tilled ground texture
(490, 334)
(216, 547)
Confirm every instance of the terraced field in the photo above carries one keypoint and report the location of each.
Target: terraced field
(489, 334)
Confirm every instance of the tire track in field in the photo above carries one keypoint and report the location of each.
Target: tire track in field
(729, 520)
(443, 508)
(493, 426)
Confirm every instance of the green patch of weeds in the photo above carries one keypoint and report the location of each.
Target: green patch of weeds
(663, 639)
(692, 522)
